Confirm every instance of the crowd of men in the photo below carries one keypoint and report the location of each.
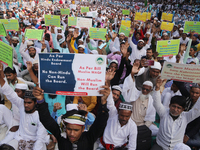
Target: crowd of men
(138, 109)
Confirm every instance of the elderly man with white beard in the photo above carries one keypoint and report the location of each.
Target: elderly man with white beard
(142, 102)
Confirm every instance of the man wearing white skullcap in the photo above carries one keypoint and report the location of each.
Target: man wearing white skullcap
(143, 110)
(116, 92)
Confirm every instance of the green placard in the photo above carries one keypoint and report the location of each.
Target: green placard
(84, 9)
(72, 21)
(2, 30)
(125, 12)
(52, 20)
(64, 11)
(10, 24)
(168, 47)
(33, 34)
(125, 30)
(193, 26)
(97, 33)
(6, 54)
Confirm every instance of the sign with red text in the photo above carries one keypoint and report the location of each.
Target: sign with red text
(181, 72)
(72, 74)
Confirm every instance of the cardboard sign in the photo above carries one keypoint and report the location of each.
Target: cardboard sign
(33, 34)
(125, 30)
(2, 30)
(10, 24)
(52, 20)
(167, 17)
(126, 23)
(181, 72)
(148, 16)
(72, 74)
(64, 11)
(84, 9)
(167, 26)
(97, 33)
(140, 16)
(72, 21)
(92, 14)
(192, 26)
(84, 22)
(167, 48)
(6, 54)
(125, 12)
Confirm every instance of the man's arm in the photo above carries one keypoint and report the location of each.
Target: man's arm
(132, 138)
(23, 50)
(30, 70)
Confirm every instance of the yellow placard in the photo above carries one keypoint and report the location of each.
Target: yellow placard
(167, 17)
(167, 26)
(126, 23)
(149, 16)
(141, 16)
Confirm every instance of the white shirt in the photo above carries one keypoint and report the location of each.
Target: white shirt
(172, 132)
(30, 127)
(184, 41)
(173, 59)
(114, 133)
(136, 54)
(114, 46)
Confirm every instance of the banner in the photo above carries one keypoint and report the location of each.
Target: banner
(125, 12)
(167, 26)
(6, 54)
(84, 9)
(52, 20)
(84, 22)
(33, 34)
(97, 33)
(193, 26)
(10, 24)
(125, 30)
(181, 72)
(126, 23)
(72, 74)
(72, 21)
(168, 47)
(141, 16)
(167, 17)
(64, 11)
(2, 30)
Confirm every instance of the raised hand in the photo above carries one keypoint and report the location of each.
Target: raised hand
(29, 65)
(110, 75)
(82, 107)
(57, 106)
(135, 69)
(105, 92)
(38, 93)
(159, 82)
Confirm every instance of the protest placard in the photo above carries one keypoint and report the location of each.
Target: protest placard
(192, 26)
(167, 26)
(72, 74)
(32, 34)
(126, 23)
(6, 54)
(167, 47)
(181, 72)
(125, 12)
(2, 30)
(72, 6)
(84, 22)
(84, 9)
(10, 24)
(125, 30)
(72, 21)
(140, 16)
(167, 16)
(65, 11)
(52, 20)
(148, 16)
(97, 33)
(92, 14)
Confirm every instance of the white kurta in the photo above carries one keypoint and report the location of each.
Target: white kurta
(30, 127)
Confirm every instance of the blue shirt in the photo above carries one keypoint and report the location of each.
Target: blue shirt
(56, 46)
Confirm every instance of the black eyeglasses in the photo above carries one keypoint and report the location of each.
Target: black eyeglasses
(148, 90)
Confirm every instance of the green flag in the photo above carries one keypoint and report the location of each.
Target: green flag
(145, 2)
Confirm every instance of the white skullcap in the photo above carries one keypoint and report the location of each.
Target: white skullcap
(125, 106)
(59, 28)
(156, 65)
(81, 46)
(81, 39)
(28, 24)
(148, 33)
(61, 40)
(114, 61)
(71, 107)
(95, 52)
(71, 29)
(31, 47)
(141, 41)
(149, 83)
(122, 33)
(30, 43)
(165, 34)
(117, 87)
(15, 38)
(21, 86)
(155, 18)
(35, 62)
(181, 146)
(43, 25)
(181, 29)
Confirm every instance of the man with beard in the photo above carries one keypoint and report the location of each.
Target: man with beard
(143, 110)
(137, 50)
(31, 133)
